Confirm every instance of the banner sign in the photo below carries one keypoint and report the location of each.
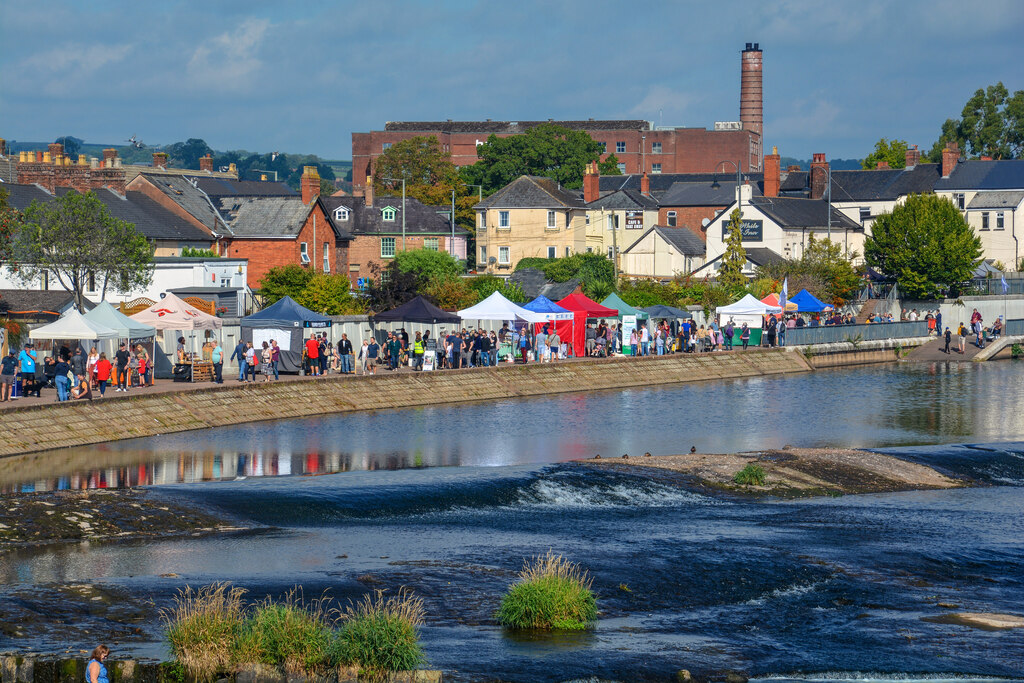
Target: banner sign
(751, 231)
(634, 220)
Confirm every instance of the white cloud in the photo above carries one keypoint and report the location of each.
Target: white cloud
(229, 61)
(662, 103)
(67, 66)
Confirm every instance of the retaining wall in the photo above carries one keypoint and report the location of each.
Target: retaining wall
(56, 425)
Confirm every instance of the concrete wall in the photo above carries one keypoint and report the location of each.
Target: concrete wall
(990, 307)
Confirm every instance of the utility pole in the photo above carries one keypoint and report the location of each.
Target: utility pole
(615, 250)
(451, 245)
(828, 189)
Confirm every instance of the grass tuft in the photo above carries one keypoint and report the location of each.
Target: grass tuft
(751, 475)
(381, 634)
(290, 634)
(551, 593)
(202, 626)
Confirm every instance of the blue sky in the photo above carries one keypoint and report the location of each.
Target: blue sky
(302, 76)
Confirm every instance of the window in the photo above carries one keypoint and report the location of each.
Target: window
(327, 259)
(670, 218)
(341, 214)
(503, 220)
(483, 256)
(432, 244)
(984, 220)
(388, 214)
(655, 168)
(587, 218)
(225, 282)
(552, 252)
(387, 247)
(613, 221)
(958, 199)
(620, 147)
(567, 252)
(622, 169)
(304, 253)
(590, 250)
(551, 221)
(483, 220)
(611, 252)
(504, 256)
(91, 277)
(604, 147)
(865, 213)
(1000, 221)
(385, 147)
(655, 148)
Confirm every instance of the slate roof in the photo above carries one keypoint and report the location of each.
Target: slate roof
(797, 212)
(763, 256)
(510, 126)
(534, 283)
(225, 187)
(702, 194)
(54, 301)
(684, 240)
(264, 216)
(187, 196)
(149, 218)
(624, 199)
(999, 199)
(420, 219)
(532, 192)
(984, 175)
(793, 181)
(887, 184)
(662, 182)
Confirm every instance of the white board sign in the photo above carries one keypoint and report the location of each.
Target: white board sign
(265, 334)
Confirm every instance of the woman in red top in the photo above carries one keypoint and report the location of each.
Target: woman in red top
(103, 372)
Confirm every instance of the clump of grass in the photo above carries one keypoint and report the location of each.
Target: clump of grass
(202, 626)
(751, 475)
(381, 635)
(1017, 351)
(551, 593)
(291, 634)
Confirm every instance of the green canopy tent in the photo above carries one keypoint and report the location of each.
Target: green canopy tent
(613, 301)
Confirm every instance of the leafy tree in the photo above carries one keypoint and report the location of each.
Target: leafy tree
(294, 178)
(485, 285)
(189, 252)
(823, 269)
(10, 221)
(926, 245)
(74, 237)
(991, 124)
(428, 265)
(330, 295)
(451, 293)
(545, 150)
(389, 287)
(186, 154)
(892, 151)
(284, 281)
(327, 187)
(730, 272)
(72, 145)
(610, 166)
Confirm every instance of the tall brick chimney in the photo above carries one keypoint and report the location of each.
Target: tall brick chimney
(751, 106)
(591, 183)
(913, 156)
(3, 147)
(882, 166)
(368, 192)
(645, 185)
(310, 184)
(772, 173)
(819, 175)
(950, 155)
(160, 159)
(109, 155)
(206, 163)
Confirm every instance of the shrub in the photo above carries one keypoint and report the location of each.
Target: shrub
(202, 626)
(751, 475)
(1016, 351)
(290, 634)
(552, 593)
(381, 635)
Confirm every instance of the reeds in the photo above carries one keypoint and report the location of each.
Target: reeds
(551, 593)
(202, 627)
(381, 634)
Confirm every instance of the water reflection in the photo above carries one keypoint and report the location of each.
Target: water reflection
(860, 407)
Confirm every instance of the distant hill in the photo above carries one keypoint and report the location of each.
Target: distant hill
(836, 164)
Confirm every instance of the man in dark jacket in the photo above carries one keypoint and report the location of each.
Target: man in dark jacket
(394, 350)
(345, 351)
(239, 353)
(121, 357)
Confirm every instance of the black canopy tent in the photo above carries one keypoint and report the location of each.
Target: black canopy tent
(418, 310)
(289, 324)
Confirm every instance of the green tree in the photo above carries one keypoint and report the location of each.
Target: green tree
(595, 272)
(72, 145)
(892, 151)
(991, 124)
(10, 221)
(75, 239)
(186, 154)
(926, 245)
(294, 178)
(451, 293)
(428, 265)
(823, 269)
(545, 150)
(730, 272)
(485, 285)
(389, 287)
(284, 281)
(330, 295)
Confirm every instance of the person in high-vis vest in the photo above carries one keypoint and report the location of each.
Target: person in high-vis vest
(417, 352)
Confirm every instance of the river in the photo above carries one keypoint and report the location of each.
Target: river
(450, 500)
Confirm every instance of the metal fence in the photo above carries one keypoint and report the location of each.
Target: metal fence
(1014, 327)
(834, 334)
(994, 286)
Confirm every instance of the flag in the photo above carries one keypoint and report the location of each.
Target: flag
(1006, 287)
(785, 294)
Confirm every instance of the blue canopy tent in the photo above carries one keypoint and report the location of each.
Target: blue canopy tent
(559, 320)
(287, 323)
(808, 303)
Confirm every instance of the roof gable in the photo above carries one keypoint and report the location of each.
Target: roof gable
(624, 199)
(265, 216)
(532, 192)
(420, 219)
(186, 195)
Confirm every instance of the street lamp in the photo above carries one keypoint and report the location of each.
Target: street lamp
(739, 194)
(395, 180)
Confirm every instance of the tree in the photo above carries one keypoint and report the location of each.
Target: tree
(926, 245)
(330, 295)
(894, 152)
(595, 272)
(428, 265)
(546, 150)
(389, 287)
(730, 272)
(327, 187)
(186, 154)
(451, 293)
(485, 285)
(10, 221)
(991, 124)
(72, 145)
(294, 178)
(284, 281)
(823, 269)
(76, 239)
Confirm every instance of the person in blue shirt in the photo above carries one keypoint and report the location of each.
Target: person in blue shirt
(95, 670)
(27, 362)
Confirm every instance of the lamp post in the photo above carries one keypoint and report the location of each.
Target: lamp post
(481, 190)
(395, 180)
(739, 179)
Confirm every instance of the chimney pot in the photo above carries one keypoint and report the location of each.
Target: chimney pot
(206, 163)
(94, 163)
(39, 156)
(645, 184)
(117, 162)
(772, 173)
(913, 157)
(232, 168)
(83, 160)
(310, 184)
(21, 157)
(819, 175)
(46, 158)
(882, 166)
(160, 159)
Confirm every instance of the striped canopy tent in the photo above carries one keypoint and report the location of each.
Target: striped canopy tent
(773, 300)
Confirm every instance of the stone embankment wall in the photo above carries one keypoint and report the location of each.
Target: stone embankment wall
(843, 353)
(74, 424)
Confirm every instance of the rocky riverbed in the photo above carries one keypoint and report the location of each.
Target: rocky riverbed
(788, 473)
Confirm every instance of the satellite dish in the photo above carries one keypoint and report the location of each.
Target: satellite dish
(705, 222)
(492, 260)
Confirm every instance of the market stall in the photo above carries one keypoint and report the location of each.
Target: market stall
(419, 311)
(747, 310)
(131, 331)
(584, 308)
(286, 322)
(73, 326)
(559, 320)
(805, 302)
(171, 313)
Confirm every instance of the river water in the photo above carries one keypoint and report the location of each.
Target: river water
(450, 500)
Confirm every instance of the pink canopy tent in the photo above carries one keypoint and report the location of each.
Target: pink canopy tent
(583, 307)
(171, 313)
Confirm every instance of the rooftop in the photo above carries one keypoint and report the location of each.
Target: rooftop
(420, 219)
(511, 126)
(533, 192)
(984, 175)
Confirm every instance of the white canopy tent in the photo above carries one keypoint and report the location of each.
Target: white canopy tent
(171, 313)
(105, 314)
(73, 325)
(747, 310)
(497, 307)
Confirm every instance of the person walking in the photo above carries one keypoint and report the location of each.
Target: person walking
(345, 351)
(745, 336)
(145, 366)
(417, 352)
(322, 348)
(78, 362)
(525, 346)
(27, 365)
(217, 357)
(103, 373)
(313, 355)
(265, 357)
(938, 323)
(121, 359)
(372, 351)
(962, 333)
(8, 367)
(90, 367)
(61, 379)
(394, 351)
(363, 358)
(251, 359)
(239, 354)
(949, 338)
(555, 344)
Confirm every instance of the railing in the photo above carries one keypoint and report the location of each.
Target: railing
(834, 334)
(994, 286)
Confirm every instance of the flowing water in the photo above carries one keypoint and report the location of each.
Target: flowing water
(821, 589)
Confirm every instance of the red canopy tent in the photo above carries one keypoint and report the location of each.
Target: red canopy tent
(583, 307)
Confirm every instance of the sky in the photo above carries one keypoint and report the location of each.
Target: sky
(300, 77)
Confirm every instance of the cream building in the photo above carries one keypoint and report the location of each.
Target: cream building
(617, 220)
(661, 253)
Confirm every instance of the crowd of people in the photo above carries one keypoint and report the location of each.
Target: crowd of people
(74, 375)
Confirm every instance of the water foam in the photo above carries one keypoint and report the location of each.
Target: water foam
(874, 677)
(787, 592)
(557, 493)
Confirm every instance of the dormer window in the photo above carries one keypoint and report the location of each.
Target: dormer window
(341, 214)
(388, 214)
